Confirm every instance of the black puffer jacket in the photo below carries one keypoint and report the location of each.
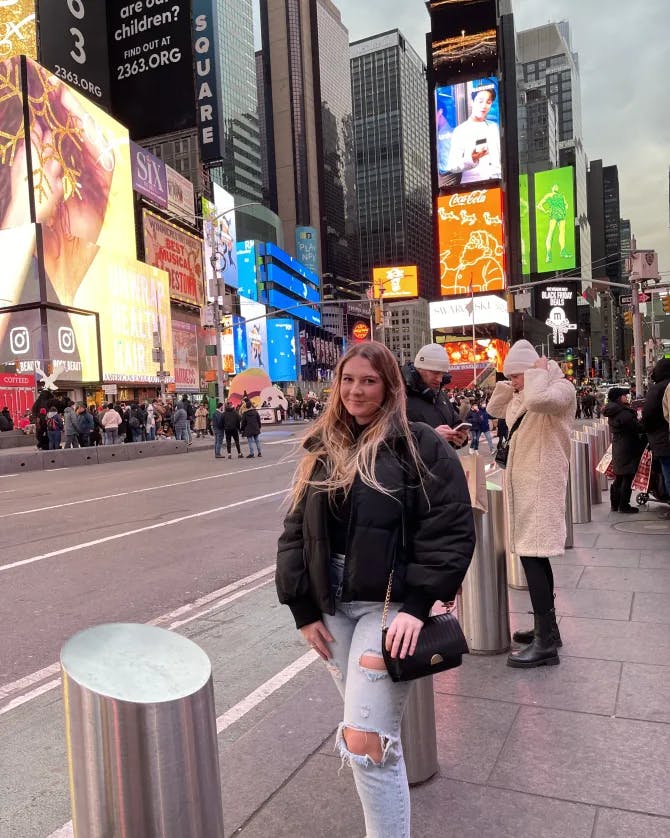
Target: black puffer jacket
(251, 422)
(432, 540)
(653, 420)
(627, 446)
(424, 404)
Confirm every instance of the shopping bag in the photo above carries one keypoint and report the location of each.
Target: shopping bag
(609, 474)
(605, 462)
(643, 473)
(473, 466)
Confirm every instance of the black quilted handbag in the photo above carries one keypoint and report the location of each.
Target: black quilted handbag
(441, 645)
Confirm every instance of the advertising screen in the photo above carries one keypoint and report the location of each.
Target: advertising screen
(14, 185)
(282, 350)
(277, 299)
(73, 345)
(150, 58)
(556, 306)
(471, 242)
(219, 227)
(73, 45)
(307, 247)
(484, 352)
(185, 348)
(181, 196)
(297, 286)
(18, 30)
(257, 333)
(23, 341)
(247, 269)
(555, 219)
(179, 253)
(467, 117)
(18, 256)
(463, 37)
(81, 179)
(524, 218)
(395, 283)
(276, 254)
(457, 313)
(149, 175)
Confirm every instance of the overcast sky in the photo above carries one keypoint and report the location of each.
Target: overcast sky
(624, 57)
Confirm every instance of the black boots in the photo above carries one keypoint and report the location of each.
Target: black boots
(526, 637)
(542, 651)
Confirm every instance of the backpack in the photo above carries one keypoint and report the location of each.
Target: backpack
(52, 424)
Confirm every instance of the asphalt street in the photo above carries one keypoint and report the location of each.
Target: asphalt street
(186, 542)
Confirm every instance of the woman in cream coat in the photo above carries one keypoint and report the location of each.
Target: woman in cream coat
(536, 480)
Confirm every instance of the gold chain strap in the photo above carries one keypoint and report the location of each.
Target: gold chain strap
(387, 601)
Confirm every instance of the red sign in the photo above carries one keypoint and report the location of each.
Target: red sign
(8, 379)
(643, 298)
(177, 252)
(361, 331)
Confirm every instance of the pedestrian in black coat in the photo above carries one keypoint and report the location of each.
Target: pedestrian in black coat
(251, 429)
(627, 447)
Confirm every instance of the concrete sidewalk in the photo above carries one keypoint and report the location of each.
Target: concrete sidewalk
(581, 750)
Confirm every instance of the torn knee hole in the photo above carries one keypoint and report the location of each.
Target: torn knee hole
(372, 661)
(363, 743)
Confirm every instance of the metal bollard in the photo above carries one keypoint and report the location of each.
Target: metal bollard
(418, 733)
(516, 578)
(141, 734)
(569, 531)
(482, 606)
(593, 439)
(580, 480)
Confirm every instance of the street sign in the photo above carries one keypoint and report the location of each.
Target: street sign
(643, 298)
(626, 299)
(110, 389)
(163, 374)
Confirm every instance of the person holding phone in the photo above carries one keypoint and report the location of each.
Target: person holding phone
(475, 143)
(426, 400)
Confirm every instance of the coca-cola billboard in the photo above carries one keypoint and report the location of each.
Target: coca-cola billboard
(471, 242)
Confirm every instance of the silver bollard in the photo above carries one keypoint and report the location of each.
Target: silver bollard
(593, 439)
(516, 578)
(418, 733)
(580, 480)
(483, 609)
(569, 531)
(141, 734)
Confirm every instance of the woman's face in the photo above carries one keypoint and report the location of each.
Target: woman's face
(361, 390)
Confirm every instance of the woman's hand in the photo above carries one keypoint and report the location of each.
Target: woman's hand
(318, 637)
(402, 635)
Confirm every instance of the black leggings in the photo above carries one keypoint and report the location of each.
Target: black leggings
(620, 491)
(540, 582)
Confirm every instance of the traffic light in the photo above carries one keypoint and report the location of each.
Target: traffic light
(665, 302)
(628, 318)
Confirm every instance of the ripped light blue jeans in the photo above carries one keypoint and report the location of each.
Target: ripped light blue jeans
(373, 703)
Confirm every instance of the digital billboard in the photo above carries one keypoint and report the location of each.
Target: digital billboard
(307, 247)
(247, 269)
(181, 196)
(257, 334)
(277, 275)
(282, 354)
(462, 353)
(279, 300)
(73, 345)
(18, 256)
(555, 219)
(276, 254)
(14, 183)
(457, 313)
(524, 218)
(556, 307)
(73, 45)
(467, 117)
(396, 283)
(219, 226)
(149, 175)
(151, 65)
(22, 339)
(471, 242)
(464, 38)
(177, 252)
(18, 29)
(185, 356)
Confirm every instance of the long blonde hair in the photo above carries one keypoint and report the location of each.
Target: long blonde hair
(333, 440)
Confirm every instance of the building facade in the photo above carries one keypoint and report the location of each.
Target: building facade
(392, 145)
(406, 328)
(307, 90)
(550, 71)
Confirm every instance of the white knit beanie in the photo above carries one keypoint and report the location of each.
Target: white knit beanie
(432, 357)
(520, 358)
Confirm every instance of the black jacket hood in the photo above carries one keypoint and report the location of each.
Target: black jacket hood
(415, 384)
(661, 371)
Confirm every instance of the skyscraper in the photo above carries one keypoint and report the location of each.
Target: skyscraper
(308, 129)
(550, 70)
(240, 170)
(392, 145)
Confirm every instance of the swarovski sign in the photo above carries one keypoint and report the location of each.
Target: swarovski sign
(451, 313)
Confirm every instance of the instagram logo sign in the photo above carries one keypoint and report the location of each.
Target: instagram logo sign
(66, 341)
(19, 340)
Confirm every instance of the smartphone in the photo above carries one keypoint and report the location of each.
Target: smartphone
(464, 426)
(480, 145)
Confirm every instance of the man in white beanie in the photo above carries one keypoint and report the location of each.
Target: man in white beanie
(539, 404)
(426, 401)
